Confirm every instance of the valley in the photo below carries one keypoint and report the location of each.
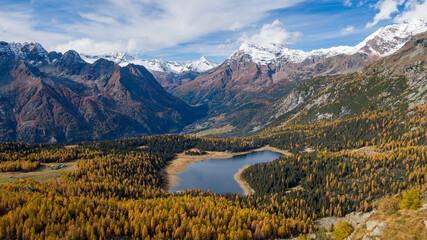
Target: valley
(138, 181)
(272, 143)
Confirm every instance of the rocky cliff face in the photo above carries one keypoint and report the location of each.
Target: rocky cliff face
(50, 97)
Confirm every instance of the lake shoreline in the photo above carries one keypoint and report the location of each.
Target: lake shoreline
(243, 184)
(238, 176)
(181, 161)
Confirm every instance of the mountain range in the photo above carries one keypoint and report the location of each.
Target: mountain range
(54, 97)
(156, 65)
(170, 74)
(397, 81)
(254, 77)
(383, 42)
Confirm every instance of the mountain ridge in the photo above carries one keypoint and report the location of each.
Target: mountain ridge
(395, 81)
(242, 87)
(65, 99)
(155, 65)
(382, 42)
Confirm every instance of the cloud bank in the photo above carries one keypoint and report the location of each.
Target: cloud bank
(136, 26)
(386, 7)
(413, 9)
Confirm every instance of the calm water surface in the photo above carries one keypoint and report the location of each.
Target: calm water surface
(217, 175)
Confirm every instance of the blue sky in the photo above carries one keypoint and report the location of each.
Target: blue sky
(189, 29)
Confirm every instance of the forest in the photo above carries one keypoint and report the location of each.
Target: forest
(118, 191)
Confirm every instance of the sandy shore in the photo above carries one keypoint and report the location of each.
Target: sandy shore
(181, 162)
(243, 184)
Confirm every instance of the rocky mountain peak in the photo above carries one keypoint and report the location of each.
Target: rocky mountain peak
(71, 62)
(389, 39)
(155, 65)
(72, 55)
(5, 50)
(31, 52)
(260, 54)
(383, 42)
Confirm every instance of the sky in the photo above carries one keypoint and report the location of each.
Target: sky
(188, 29)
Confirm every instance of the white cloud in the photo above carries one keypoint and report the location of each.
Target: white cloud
(413, 10)
(347, 30)
(18, 27)
(90, 46)
(268, 33)
(348, 3)
(140, 25)
(386, 7)
(272, 33)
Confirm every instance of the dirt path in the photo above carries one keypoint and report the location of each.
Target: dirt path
(181, 162)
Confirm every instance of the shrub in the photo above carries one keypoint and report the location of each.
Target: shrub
(342, 230)
(388, 204)
(331, 228)
(411, 200)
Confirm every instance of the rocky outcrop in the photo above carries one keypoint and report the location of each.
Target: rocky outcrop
(355, 219)
(375, 228)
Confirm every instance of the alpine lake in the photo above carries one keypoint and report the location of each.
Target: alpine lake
(217, 175)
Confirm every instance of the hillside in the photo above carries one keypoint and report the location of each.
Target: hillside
(50, 97)
(255, 77)
(394, 82)
(117, 190)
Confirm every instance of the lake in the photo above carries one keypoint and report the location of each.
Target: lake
(217, 175)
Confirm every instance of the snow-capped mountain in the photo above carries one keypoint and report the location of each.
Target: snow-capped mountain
(389, 39)
(33, 51)
(383, 42)
(158, 65)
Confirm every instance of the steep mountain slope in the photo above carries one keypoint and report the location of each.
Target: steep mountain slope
(241, 86)
(170, 81)
(54, 97)
(393, 82)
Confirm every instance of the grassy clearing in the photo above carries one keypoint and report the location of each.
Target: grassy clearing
(41, 174)
(402, 224)
(405, 224)
(214, 131)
